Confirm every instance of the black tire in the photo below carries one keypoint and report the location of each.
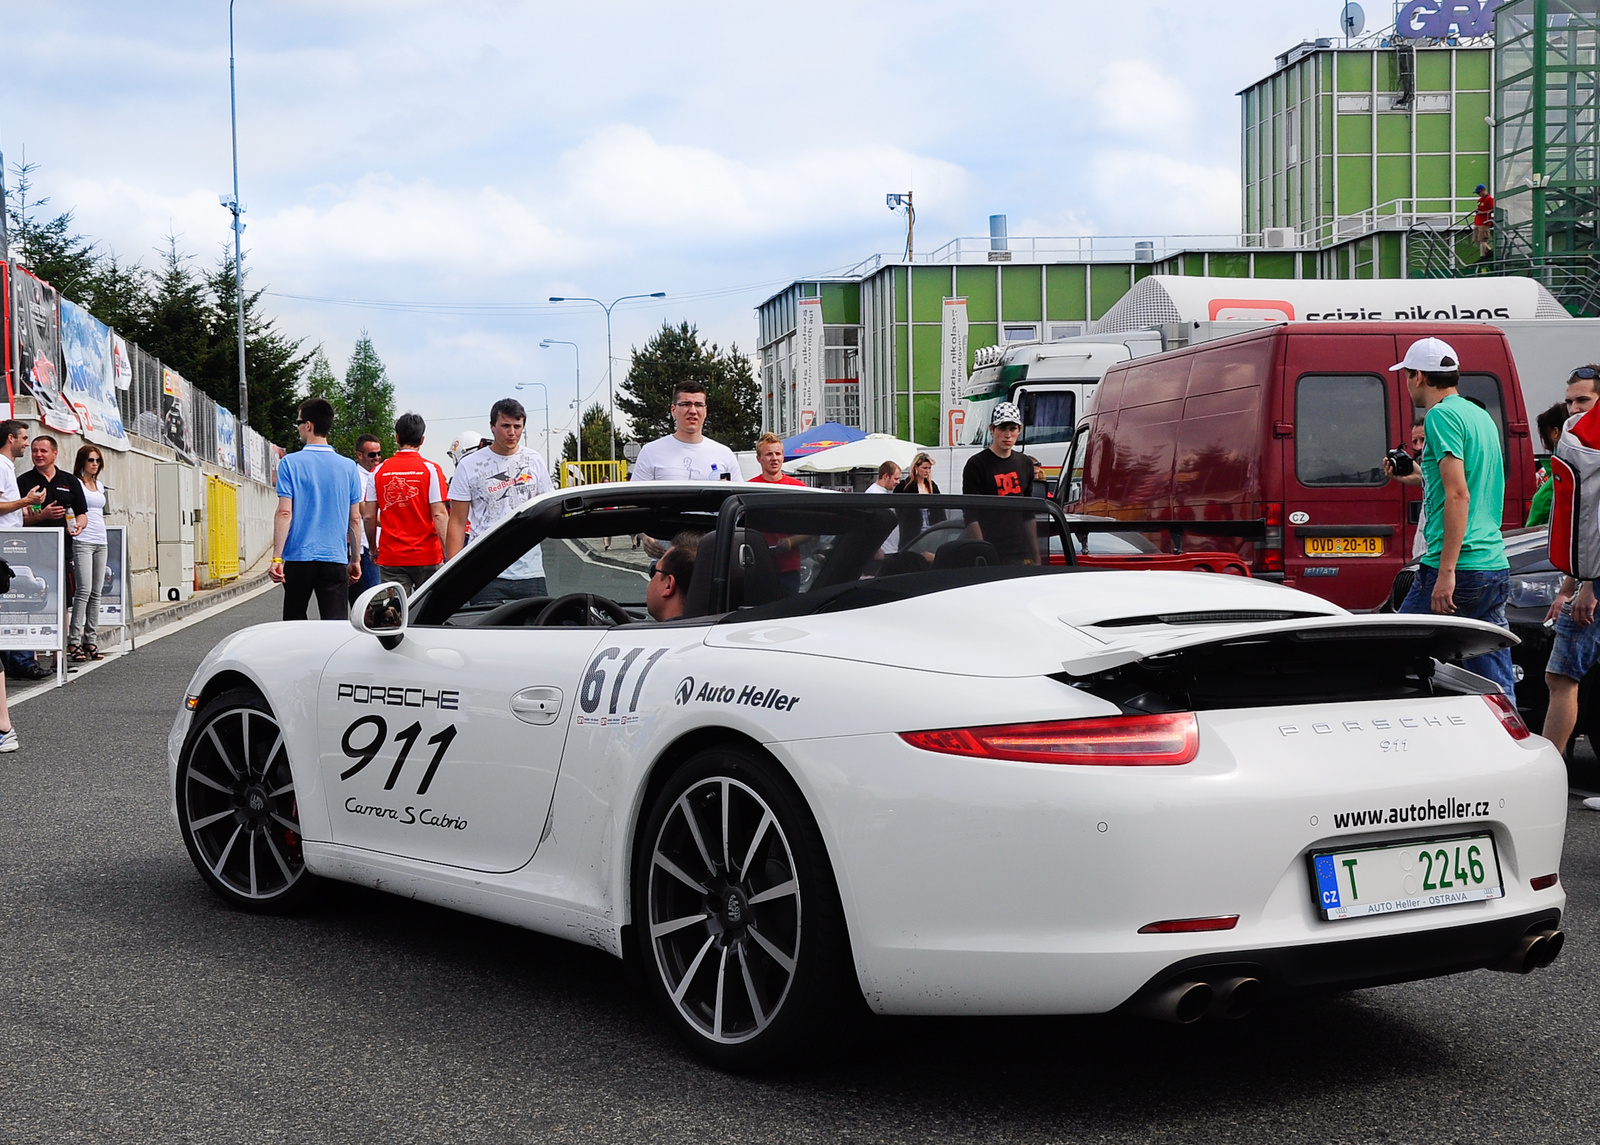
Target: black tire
(741, 936)
(237, 807)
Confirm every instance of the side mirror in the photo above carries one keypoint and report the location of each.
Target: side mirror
(381, 611)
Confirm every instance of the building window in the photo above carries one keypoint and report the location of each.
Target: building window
(1028, 333)
(841, 402)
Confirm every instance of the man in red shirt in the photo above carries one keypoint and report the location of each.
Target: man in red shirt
(411, 512)
(785, 548)
(1483, 224)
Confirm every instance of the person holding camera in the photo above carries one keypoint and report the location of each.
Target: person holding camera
(1464, 571)
(1406, 468)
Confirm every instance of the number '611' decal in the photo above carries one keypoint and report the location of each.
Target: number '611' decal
(365, 753)
(594, 678)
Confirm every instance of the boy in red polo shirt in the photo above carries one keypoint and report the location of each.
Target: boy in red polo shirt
(410, 510)
(1483, 223)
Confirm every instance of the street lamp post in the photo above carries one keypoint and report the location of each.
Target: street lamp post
(238, 227)
(577, 384)
(611, 404)
(524, 385)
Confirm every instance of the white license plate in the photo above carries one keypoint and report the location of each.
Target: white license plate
(1405, 876)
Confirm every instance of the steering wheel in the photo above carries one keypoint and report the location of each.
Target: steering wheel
(590, 603)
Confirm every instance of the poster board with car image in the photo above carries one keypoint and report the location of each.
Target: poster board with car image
(33, 609)
(114, 611)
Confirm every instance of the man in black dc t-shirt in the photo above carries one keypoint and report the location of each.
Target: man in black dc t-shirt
(1000, 471)
(63, 506)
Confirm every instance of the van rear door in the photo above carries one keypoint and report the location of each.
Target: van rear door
(1346, 535)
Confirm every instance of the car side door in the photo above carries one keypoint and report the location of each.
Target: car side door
(446, 747)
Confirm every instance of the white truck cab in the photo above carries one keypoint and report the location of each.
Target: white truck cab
(1053, 383)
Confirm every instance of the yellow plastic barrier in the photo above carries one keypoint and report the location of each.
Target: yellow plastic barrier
(592, 472)
(222, 525)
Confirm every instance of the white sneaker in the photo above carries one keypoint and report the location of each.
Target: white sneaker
(9, 740)
(1592, 803)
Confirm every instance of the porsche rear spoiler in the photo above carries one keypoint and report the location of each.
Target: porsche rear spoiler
(1127, 640)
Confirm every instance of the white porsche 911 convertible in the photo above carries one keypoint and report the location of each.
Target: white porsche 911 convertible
(968, 778)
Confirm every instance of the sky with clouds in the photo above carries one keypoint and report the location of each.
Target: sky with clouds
(481, 155)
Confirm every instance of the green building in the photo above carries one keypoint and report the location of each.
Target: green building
(1351, 151)
(1358, 161)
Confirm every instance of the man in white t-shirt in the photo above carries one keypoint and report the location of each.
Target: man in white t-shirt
(12, 502)
(888, 478)
(491, 484)
(687, 455)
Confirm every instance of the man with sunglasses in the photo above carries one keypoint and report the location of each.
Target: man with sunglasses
(369, 454)
(668, 587)
(1577, 637)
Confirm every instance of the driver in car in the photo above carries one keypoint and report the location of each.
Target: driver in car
(668, 587)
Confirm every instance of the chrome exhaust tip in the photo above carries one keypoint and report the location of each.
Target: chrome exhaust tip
(1533, 951)
(1236, 997)
(1182, 1003)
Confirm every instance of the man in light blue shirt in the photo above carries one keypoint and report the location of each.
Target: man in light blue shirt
(316, 532)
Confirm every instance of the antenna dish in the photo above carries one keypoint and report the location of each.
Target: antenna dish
(1352, 19)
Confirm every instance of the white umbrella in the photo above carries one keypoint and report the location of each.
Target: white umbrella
(868, 453)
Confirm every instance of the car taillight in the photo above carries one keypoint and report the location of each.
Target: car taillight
(1542, 883)
(1192, 925)
(1506, 712)
(1117, 741)
(1269, 553)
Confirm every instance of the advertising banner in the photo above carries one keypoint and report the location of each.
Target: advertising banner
(808, 364)
(177, 412)
(255, 455)
(121, 363)
(953, 407)
(227, 439)
(37, 314)
(86, 349)
(114, 589)
(33, 611)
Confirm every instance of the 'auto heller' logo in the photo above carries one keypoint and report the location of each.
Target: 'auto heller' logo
(749, 695)
(685, 691)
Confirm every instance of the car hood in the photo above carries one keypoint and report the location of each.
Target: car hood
(1082, 623)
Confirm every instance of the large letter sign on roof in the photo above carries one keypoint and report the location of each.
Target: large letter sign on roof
(1435, 18)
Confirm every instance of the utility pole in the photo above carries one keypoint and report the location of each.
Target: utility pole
(238, 228)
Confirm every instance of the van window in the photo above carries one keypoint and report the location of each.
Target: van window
(1485, 390)
(1341, 430)
(1048, 415)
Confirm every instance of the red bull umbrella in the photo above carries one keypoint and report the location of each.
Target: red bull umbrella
(817, 438)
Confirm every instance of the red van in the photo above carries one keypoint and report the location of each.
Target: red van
(1286, 426)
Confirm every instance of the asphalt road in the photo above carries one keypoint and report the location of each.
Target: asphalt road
(136, 1007)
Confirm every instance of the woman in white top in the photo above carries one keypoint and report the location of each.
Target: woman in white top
(88, 557)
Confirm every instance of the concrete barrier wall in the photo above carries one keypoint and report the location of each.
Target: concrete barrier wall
(131, 475)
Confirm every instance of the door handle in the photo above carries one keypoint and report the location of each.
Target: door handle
(537, 705)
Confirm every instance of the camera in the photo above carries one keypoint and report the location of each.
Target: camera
(1400, 461)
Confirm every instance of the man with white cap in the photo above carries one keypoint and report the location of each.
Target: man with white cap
(1464, 571)
(1000, 471)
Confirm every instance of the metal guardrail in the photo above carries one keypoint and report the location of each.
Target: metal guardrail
(592, 472)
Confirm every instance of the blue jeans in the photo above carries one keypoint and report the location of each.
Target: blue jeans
(369, 575)
(1480, 595)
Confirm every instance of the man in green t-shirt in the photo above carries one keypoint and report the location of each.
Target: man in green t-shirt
(1464, 571)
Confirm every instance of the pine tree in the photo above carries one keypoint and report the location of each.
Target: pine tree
(48, 247)
(368, 399)
(678, 353)
(273, 361)
(595, 448)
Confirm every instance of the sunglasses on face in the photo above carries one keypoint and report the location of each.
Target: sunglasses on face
(654, 568)
(372, 453)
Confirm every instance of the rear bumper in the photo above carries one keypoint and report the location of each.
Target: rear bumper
(1358, 963)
